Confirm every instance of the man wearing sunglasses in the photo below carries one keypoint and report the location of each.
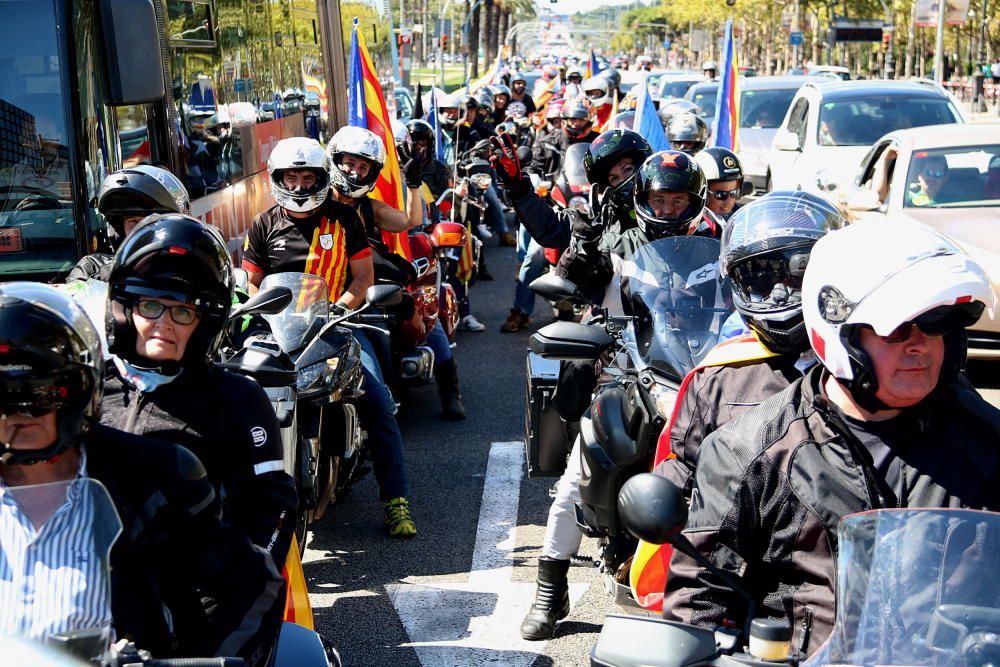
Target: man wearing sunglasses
(885, 419)
(932, 181)
(725, 180)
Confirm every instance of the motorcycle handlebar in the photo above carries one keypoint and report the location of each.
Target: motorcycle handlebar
(195, 662)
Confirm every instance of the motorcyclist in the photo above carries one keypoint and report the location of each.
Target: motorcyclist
(597, 90)
(471, 129)
(576, 127)
(126, 197)
(501, 98)
(485, 111)
(574, 75)
(765, 250)
(725, 179)
(885, 310)
(687, 132)
(553, 118)
(433, 173)
(519, 91)
(710, 70)
(307, 231)
(173, 554)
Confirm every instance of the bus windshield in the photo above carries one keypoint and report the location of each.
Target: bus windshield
(37, 233)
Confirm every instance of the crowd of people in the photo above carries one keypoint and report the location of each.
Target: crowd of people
(853, 384)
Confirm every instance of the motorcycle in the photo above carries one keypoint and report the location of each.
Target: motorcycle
(914, 587)
(674, 305)
(295, 645)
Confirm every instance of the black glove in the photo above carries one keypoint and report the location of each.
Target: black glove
(338, 310)
(412, 173)
(508, 166)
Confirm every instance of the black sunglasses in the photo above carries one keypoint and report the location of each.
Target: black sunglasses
(723, 195)
(932, 324)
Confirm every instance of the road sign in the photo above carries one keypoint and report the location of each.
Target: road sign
(795, 38)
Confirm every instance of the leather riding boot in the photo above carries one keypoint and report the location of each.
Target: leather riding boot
(446, 376)
(551, 600)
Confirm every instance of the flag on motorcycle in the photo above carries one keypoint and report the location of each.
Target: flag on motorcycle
(366, 108)
(436, 124)
(651, 562)
(647, 122)
(593, 66)
(546, 90)
(725, 126)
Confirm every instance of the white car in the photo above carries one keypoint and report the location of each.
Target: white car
(946, 177)
(832, 124)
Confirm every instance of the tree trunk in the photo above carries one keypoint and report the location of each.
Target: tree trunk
(474, 44)
(504, 25)
(484, 34)
(493, 27)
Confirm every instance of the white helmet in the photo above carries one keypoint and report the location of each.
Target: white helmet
(596, 90)
(351, 140)
(400, 135)
(294, 154)
(882, 275)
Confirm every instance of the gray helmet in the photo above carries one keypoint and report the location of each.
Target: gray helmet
(687, 132)
(485, 99)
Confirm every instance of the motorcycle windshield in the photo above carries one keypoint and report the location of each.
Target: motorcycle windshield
(305, 315)
(573, 164)
(916, 587)
(54, 557)
(678, 304)
(92, 296)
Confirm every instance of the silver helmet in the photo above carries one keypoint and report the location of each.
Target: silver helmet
(358, 141)
(298, 154)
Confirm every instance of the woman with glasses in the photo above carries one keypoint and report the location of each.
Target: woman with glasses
(170, 294)
(725, 180)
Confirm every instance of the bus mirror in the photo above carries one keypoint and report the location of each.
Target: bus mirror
(135, 71)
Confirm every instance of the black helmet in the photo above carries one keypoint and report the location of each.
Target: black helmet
(669, 171)
(50, 359)
(613, 76)
(720, 164)
(140, 190)
(606, 151)
(687, 132)
(765, 250)
(173, 257)
(577, 107)
(421, 130)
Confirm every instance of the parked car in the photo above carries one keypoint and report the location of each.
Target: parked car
(676, 83)
(704, 95)
(946, 177)
(831, 125)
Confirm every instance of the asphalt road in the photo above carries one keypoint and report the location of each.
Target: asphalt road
(350, 561)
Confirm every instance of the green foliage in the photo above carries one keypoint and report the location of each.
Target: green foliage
(368, 20)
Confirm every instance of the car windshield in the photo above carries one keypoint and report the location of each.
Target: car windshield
(37, 226)
(670, 87)
(765, 109)
(860, 121)
(704, 97)
(915, 587)
(961, 176)
(404, 106)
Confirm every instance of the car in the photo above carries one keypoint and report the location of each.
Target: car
(404, 103)
(946, 177)
(830, 125)
(837, 71)
(676, 83)
(764, 101)
(704, 95)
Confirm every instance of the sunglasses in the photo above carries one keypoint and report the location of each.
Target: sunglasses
(935, 173)
(932, 325)
(723, 195)
(152, 310)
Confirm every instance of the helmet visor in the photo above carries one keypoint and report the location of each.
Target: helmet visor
(40, 395)
(772, 281)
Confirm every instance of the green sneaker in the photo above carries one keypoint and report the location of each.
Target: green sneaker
(398, 519)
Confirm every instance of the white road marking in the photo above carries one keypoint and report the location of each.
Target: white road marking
(478, 623)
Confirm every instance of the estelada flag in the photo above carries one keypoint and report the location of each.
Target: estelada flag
(651, 562)
(726, 125)
(366, 108)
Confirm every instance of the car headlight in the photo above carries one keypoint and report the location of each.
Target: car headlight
(482, 181)
(579, 202)
(664, 397)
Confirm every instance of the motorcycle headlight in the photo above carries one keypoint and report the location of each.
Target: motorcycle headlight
(579, 203)
(313, 374)
(665, 398)
(482, 181)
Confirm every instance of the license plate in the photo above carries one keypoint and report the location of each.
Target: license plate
(10, 240)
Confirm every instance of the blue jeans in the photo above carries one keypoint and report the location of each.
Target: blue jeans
(438, 342)
(533, 265)
(495, 218)
(378, 416)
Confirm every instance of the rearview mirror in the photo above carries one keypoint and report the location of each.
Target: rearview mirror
(746, 189)
(553, 287)
(570, 340)
(384, 295)
(135, 71)
(268, 302)
(786, 140)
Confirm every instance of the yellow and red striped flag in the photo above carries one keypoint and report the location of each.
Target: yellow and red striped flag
(366, 108)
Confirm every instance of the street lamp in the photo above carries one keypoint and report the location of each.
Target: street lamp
(979, 101)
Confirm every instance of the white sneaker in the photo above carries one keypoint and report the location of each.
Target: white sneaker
(470, 323)
(484, 233)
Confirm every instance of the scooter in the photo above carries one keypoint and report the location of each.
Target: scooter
(674, 306)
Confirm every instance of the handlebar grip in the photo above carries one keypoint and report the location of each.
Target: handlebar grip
(196, 662)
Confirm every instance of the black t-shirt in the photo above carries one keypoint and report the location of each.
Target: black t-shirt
(322, 244)
(882, 439)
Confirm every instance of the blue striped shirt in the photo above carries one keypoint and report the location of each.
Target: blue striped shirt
(54, 578)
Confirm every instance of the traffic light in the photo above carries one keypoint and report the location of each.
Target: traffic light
(886, 39)
(444, 41)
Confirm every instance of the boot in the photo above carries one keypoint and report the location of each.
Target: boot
(446, 376)
(551, 600)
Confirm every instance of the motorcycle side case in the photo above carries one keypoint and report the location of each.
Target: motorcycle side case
(547, 438)
(635, 641)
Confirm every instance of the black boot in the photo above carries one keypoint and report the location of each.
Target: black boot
(446, 376)
(551, 600)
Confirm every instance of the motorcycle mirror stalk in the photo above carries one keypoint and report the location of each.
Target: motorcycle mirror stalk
(268, 302)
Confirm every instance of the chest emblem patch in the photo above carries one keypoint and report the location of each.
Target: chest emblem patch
(326, 241)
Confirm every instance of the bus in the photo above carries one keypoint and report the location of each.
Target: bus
(203, 87)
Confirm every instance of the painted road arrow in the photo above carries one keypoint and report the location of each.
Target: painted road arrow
(478, 623)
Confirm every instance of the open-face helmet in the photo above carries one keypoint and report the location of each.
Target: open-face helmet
(351, 140)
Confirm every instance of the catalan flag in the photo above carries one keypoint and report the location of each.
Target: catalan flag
(366, 108)
(726, 124)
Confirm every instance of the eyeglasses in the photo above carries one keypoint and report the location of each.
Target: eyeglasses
(935, 173)
(723, 195)
(152, 310)
(931, 327)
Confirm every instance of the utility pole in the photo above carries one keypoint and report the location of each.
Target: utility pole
(979, 103)
(939, 42)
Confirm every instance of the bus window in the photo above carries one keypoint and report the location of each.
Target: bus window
(37, 233)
